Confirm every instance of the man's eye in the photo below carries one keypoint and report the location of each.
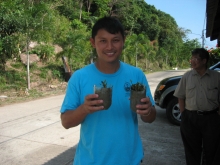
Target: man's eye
(116, 40)
(102, 41)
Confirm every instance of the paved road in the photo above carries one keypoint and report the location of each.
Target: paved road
(31, 134)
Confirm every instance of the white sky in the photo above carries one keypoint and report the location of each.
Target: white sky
(189, 14)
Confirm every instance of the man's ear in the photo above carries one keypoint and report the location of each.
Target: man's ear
(92, 41)
(204, 61)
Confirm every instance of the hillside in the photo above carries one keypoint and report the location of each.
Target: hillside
(45, 80)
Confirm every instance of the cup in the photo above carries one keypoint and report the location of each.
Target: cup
(105, 94)
(135, 98)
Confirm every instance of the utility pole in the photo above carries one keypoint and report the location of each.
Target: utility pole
(203, 38)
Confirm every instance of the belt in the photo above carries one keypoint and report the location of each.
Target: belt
(199, 112)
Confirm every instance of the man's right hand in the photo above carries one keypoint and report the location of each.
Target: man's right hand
(72, 118)
(91, 104)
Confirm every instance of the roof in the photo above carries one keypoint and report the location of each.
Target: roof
(213, 20)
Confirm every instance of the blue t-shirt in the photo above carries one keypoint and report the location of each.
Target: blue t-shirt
(107, 137)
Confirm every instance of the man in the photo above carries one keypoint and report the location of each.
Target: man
(198, 93)
(107, 137)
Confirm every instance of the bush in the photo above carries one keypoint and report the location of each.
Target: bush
(45, 52)
(56, 73)
(12, 80)
(43, 73)
(17, 65)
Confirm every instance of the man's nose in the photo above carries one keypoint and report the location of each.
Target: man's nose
(109, 45)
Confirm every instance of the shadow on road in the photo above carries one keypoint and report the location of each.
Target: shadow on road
(65, 158)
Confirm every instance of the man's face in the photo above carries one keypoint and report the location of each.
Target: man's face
(197, 63)
(108, 46)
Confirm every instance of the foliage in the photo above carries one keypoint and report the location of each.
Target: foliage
(56, 73)
(76, 48)
(214, 55)
(135, 48)
(137, 87)
(44, 73)
(104, 84)
(153, 37)
(12, 79)
(8, 45)
(44, 51)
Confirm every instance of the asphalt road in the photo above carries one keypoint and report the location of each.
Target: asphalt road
(31, 133)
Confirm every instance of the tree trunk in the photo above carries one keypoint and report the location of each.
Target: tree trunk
(28, 62)
(166, 59)
(145, 63)
(89, 2)
(136, 64)
(80, 12)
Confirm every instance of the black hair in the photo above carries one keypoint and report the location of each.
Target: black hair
(110, 24)
(203, 53)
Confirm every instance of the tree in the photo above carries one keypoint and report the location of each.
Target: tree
(214, 55)
(38, 22)
(128, 13)
(77, 48)
(150, 53)
(56, 21)
(10, 12)
(137, 46)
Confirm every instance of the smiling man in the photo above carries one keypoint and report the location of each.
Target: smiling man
(107, 137)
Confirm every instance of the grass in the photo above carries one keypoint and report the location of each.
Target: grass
(45, 80)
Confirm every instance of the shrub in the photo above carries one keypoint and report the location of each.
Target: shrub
(45, 52)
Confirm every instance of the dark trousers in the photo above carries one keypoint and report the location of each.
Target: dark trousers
(197, 130)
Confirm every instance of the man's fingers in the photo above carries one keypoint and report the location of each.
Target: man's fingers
(92, 104)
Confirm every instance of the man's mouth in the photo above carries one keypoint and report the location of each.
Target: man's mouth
(110, 53)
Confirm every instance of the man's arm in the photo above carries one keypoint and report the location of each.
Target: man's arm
(147, 111)
(181, 104)
(150, 117)
(72, 118)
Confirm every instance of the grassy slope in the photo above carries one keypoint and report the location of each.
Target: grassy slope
(45, 81)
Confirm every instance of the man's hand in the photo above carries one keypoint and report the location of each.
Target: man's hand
(72, 118)
(91, 104)
(144, 109)
(147, 111)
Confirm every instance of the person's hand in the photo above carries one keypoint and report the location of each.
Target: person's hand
(91, 104)
(144, 109)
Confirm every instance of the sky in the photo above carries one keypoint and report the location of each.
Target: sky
(188, 14)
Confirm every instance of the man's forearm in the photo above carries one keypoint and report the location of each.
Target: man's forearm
(181, 104)
(73, 118)
(150, 117)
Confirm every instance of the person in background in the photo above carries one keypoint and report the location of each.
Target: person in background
(107, 137)
(198, 93)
